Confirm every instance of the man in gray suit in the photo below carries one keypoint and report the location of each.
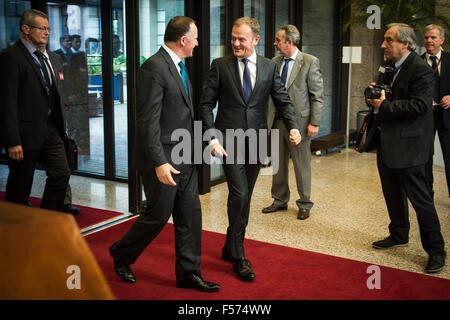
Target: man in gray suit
(303, 79)
(164, 104)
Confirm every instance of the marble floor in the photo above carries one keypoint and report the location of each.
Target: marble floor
(348, 215)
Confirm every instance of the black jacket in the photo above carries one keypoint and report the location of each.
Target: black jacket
(24, 105)
(406, 122)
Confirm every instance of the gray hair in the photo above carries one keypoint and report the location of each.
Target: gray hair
(29, 16)
(291, 33)
(435, 26)
(405, 34)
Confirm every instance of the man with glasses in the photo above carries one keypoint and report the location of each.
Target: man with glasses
(31, 121)
(405, 123)
(300, 73)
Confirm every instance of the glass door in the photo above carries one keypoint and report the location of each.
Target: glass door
(217, 50)
(120, 100)
(77, 38)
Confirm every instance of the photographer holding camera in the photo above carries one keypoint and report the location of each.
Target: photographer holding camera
(405, 143)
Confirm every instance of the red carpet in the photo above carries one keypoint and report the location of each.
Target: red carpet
(87, 217)
(282, 273)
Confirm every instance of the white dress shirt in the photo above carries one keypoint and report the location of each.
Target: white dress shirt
(430, 62)
(175, 58)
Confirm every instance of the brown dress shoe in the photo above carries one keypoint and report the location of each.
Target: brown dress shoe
(303, 214)
(273, 208)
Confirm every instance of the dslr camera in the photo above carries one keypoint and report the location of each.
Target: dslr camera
(383, 83)
(374, 92)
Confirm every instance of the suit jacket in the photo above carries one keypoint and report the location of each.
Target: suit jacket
(305, 88)
(224, 85)
(444, 85)
(162, 107)
(406, 122)
(25, 101)
(65, 57)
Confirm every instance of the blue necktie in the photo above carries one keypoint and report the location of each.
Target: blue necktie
(285, 70)
(247, 82)
(183, 76)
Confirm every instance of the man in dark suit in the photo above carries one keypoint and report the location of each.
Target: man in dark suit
(65, 52)
(30, 114)
(241, 83)
(405, 122)
(164, 104)
(439, 61)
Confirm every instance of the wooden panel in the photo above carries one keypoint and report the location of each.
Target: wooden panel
(37, 248)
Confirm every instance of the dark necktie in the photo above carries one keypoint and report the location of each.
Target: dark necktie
(44, 67)
(184, 76)
(436, 79)
(285, 70)
(246, 81)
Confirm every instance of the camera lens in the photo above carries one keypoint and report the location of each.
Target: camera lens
(372, 93)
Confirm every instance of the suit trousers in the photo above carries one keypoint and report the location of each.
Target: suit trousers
(301, 159)
(183, 203)
(52, 157)
(241, 179)
(398, 186)
(444, 139)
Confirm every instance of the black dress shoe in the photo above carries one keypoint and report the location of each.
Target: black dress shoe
(71, 209)
(388, 243)
(273, 208)
(124, 272)
(435, 264)
(196, 282)
(227, 257)
(243, 269)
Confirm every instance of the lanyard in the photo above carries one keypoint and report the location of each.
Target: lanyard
(42, 70)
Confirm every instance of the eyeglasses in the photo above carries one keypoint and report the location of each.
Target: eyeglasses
(40, 28)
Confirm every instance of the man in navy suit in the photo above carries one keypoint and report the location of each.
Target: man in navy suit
(31, 120)
(405, 123)
(439, 60)
(241, 83)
